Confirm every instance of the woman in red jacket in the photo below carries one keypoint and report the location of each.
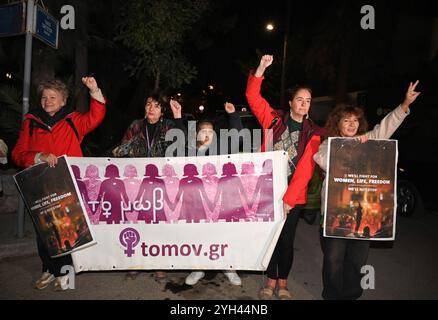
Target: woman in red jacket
(47, 133)
(294, 133)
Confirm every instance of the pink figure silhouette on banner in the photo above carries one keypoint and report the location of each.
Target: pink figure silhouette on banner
(231, 193)
(249, 181)
(112, 193)
(92, 181)
(264, 191)
(210, 181)
(172, 183)
(132, 185)
(152, 196)
(82, 189)
(191, 190)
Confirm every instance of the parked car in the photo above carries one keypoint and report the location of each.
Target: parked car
(417, 175)
(415, 194)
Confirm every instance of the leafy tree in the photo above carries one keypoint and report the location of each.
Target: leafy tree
(156, 30)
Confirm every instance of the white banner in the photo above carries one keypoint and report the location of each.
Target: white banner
(217, 212)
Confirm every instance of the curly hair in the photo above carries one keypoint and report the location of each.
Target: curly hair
(338, 113)
(54, 84)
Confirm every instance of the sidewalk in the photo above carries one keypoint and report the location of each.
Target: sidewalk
(12, 246)
(18, 275)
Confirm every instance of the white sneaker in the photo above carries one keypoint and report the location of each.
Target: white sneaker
(233, 277)
(45, 279)
(62, 283)
(194, 277)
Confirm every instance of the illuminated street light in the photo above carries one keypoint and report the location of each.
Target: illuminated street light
(211, 87)
(201, 108)
(270, 27)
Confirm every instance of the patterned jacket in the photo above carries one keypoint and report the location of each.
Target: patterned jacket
(134, 143)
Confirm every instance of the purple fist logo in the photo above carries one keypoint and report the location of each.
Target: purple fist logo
(129, 238)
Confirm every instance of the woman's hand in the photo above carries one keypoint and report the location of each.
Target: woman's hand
(50, 158)
(411, 96)
(229, 107)
(176, 109)
(363, 138)
(265, 62)
(90, 83)
(286, 209)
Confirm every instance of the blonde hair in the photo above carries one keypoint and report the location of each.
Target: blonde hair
(56, 85)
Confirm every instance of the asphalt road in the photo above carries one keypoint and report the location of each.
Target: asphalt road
(404, 269)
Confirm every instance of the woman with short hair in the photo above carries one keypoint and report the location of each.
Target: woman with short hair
(48, 132)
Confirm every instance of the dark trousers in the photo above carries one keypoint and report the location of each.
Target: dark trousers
(341, 271)
(53, 265)
(282, 259)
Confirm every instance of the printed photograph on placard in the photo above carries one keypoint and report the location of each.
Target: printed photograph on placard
(361, 194)
(55, 207)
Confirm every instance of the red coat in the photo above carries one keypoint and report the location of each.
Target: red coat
(60, 139)
(308, 144)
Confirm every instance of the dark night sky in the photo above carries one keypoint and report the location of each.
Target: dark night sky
(220, 63)
(383, 60)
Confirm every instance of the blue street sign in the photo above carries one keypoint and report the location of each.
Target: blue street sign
(12, 19)
(46, 27)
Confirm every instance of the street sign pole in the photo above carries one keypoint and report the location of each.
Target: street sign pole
(26, 94)
(28, 57)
